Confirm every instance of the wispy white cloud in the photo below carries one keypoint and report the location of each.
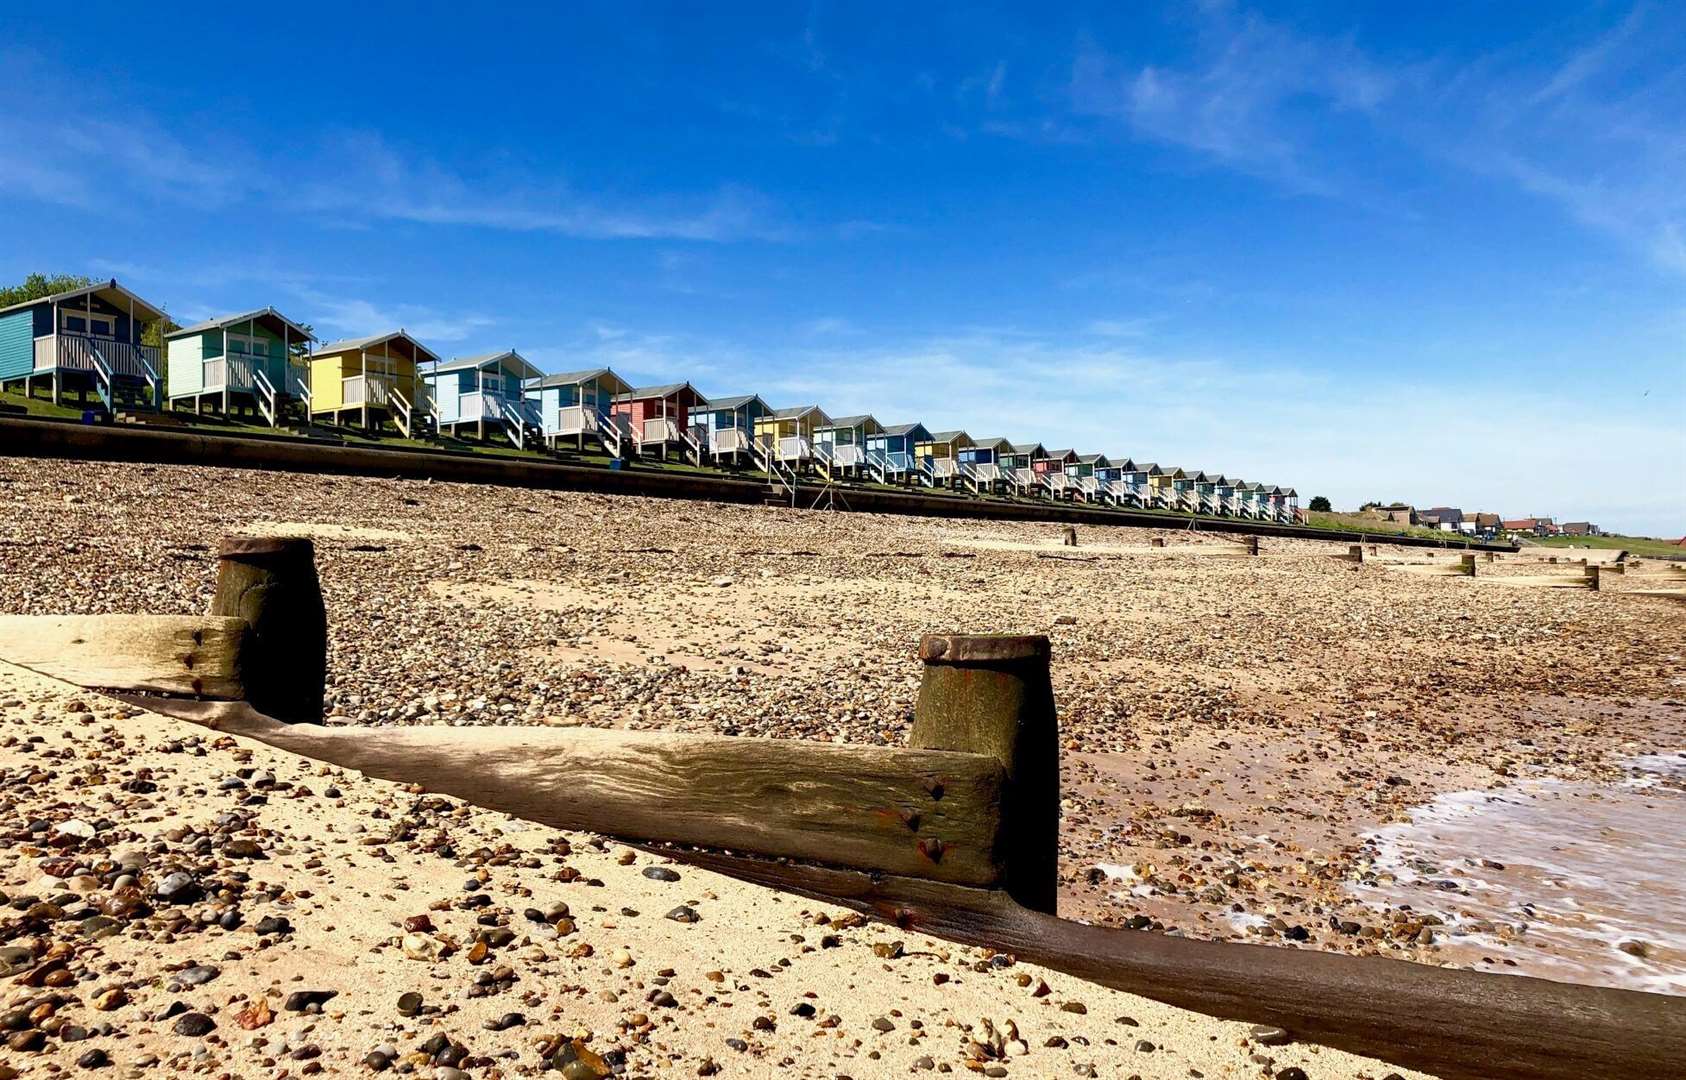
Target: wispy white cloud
(1245, 103)
(340, 316)
(1601, 132)
(371, 178)
(348, 178)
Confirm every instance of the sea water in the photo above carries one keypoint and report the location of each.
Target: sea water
(1576, 881)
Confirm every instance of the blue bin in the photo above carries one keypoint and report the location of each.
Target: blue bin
(615, 463)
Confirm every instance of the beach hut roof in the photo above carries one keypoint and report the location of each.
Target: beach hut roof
(1092, 459)
(903, 429)
(1124, 463)
(363, 344)
(109, 291)
(796, 412)
(948, 436)
(861, 421)
(1029, 448)
(614, 383)
(1063, 455)
(524, 367)
(992, 444)
(667, 390)
(735, 402)
(267, 317)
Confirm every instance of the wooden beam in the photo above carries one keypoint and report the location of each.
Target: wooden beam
(168, 654)
(923, 813)
(1455, 1024)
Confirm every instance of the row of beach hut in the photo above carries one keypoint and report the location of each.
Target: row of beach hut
(262, 364)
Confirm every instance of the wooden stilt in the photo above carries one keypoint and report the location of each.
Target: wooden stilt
(270, 582)
(991, 694)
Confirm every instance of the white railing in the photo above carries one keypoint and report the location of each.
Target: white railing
(985, 472)
(944, 468)
(365, 390)
(795, 448)
(265, 391)
(1089, 487)
(102, 374)
(515, 422)
(578, 420)
(728, 441)
(231, 371)
(878, 465)
(477, 405)
(75, 352)
(824, 462)
(661, 429)
(923, 471)
(692, 441)
(400, 410)
(848, 455)
(1024, 480)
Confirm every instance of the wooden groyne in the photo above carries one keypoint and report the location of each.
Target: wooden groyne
(953, 835)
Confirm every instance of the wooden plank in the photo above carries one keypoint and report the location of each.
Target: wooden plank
(168, 654)
(1455, 1024)
(924, 813)
(1540, 581)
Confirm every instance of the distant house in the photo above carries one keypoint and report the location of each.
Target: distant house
(788, 434)
(1395, 513)
(373, 378)
(575, 404)
(658, 418)
(86, 339)
(240, 360)
(1487, 524)
(1532, 526)
(889, 451)
(731, 422)
(1445, 518)
(1580, 528)
(471, 390)
(844, 439)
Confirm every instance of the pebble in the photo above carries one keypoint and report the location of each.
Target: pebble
(1265, 1035)
(193, 1025)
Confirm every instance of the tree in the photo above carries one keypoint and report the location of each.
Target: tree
(35, 286)
(1320, 505)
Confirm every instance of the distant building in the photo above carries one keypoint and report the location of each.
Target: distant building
(1580, 528)
(1397, 513)
(1535, 526)
(1487, 525)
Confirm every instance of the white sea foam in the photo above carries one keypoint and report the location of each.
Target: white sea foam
(1577, 868)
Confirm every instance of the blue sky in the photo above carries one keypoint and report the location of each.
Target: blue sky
(1372, 251)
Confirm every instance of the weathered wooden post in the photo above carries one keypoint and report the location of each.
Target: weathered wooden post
(1068, 536)
(1591, 571)
(1614, 568)
(1466, 565)
(1252, 545)
(1157, 541)
(1492, 557)
(1355, 553)
(270, 583)
(1374, 550)
(992, 694)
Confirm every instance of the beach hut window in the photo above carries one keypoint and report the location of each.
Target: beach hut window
(79, 322)
(252, 346)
